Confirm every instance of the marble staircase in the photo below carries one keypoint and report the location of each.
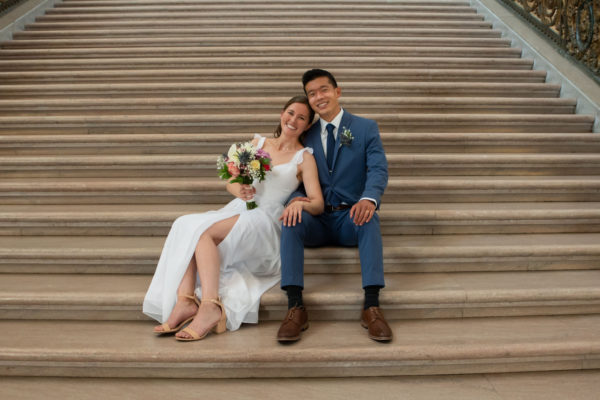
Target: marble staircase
(111, 116)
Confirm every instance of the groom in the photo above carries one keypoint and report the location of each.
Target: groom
(353, 175)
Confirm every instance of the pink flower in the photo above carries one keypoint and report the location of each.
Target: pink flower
(260, 153)
(233, 170)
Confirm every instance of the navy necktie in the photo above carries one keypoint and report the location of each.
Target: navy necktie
(330, 145)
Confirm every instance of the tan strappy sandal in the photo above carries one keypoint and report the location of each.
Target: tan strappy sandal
(220, 327)
(167, 329)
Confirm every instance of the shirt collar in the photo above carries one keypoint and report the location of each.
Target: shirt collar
(336, 122)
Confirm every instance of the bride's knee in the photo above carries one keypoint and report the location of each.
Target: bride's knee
(179, 221)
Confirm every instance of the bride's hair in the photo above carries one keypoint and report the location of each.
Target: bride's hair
(311, 114)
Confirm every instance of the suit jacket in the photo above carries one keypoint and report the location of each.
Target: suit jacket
(359, 168)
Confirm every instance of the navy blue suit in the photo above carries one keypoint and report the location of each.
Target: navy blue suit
(359, 170)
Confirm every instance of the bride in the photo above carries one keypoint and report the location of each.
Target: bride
(228, 258)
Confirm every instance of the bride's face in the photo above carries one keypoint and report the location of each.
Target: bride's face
(294, 119)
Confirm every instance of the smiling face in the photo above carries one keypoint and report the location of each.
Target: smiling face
(323, 97)
(295, 119)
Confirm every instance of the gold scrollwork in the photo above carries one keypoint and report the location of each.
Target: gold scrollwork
(548, 12)
(573, 23)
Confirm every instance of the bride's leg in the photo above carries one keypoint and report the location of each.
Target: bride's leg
(184, 308)
(208, 265)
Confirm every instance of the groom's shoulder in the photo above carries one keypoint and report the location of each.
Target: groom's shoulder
(360, 121)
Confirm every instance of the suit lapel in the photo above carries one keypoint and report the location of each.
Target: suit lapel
(345, 122)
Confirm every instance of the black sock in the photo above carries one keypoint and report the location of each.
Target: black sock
(371, 296)
(294, 294)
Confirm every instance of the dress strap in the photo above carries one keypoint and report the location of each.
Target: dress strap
(261, 140)
(299, 156)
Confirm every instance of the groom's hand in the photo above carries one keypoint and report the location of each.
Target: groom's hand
(362, 212)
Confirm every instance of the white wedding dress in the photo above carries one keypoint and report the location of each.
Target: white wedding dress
(250, 263)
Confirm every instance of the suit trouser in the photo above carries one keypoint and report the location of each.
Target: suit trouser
(331, 229)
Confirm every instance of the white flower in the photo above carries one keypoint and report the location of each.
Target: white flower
(232, 154)
(346, 138)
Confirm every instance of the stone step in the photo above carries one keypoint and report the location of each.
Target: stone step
(249, 17)
(396, 218)
(282, 3)
(285, 4)
(417, 21)
(129, 349)
(339, 42)
(214, 143)
(482, 143)
(263, 51)
(203, 105)
(175, 190)
(282, 90)
(403, 253)
(271, 74)
(177, 165)
(328, 297)
(66, 8)
(189, 123)
(491, 164)
(330, 62)
(574, 385)
(290, 31)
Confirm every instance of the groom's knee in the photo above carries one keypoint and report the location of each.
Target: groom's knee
(368, 228)
(299, 228)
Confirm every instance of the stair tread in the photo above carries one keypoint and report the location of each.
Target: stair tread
(389, 50)
(196, 182)
(289, 84)
(174, 159)
(262, 40)
(272, 31)
(124, 246)
(259, 118)
(70, 8)
(554, 385)
(276, 101)
(427, 210)
(424, 341)
(361, 73)
(328, 290)
(183, 62)
(227, 138)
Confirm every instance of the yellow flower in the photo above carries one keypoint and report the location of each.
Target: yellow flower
(255, 165)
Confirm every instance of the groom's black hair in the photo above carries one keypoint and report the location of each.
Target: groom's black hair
(313, 74)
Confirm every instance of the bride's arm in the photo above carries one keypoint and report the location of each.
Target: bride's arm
(310, 177)
(313, 202)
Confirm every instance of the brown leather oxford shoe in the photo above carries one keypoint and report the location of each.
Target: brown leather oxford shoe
(373, 320)
(294, 322)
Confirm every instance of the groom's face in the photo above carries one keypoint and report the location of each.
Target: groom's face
(323, 97)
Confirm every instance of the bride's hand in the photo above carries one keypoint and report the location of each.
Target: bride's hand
(293, 212)
(246, 192)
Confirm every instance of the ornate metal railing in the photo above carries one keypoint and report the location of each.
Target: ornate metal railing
(6, 4)
(573, 24)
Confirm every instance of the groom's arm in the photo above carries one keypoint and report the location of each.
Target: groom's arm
(377, 172)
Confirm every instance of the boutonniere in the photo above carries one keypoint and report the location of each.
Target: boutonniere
(346, 138)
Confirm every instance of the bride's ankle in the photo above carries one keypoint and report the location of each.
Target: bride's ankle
(209, 307)
(187, 298)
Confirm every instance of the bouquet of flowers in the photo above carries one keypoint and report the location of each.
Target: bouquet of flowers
(245, 164)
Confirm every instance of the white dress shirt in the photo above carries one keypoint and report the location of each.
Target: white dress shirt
(336, 123)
